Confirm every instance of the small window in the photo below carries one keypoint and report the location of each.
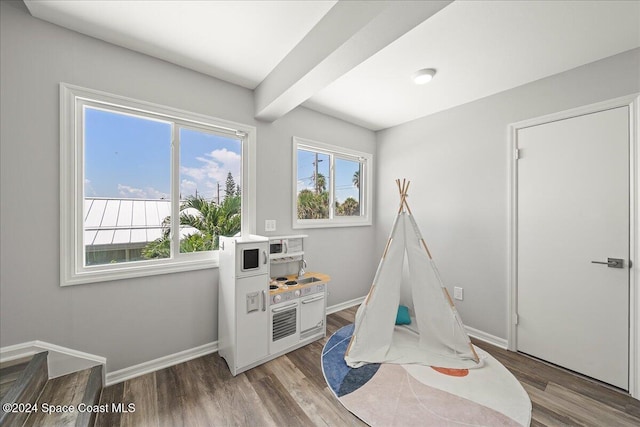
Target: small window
(147, 189)
(332, 187)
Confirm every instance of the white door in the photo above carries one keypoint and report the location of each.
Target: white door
(572, 209)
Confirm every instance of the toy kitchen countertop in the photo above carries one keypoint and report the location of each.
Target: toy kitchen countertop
(291, 282)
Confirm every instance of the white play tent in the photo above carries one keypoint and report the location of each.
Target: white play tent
(436, 335)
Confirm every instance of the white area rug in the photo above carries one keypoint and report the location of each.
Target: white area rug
(402, 395)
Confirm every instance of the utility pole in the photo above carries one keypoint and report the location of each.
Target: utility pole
(218, 193)
(315, 174)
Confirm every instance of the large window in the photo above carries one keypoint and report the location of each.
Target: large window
(147, 189)
(332, 185)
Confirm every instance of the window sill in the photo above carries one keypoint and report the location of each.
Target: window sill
(316, 223)
(111, 272)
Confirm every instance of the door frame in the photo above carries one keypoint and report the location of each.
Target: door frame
(633, 102)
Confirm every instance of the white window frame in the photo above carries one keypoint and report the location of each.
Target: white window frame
(72, 268)
(366, 178)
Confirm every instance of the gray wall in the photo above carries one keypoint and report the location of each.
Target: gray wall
(457, 161)
(347, 254)
(132, 321)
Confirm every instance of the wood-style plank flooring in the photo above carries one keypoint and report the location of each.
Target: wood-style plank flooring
(9, 373)
(291, 391)
(65, 390)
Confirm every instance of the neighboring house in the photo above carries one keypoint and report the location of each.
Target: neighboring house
(117, 230)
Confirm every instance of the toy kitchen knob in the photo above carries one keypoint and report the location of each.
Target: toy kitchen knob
(277, 299)
(297, 293)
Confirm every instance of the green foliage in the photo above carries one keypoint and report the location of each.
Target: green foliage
(229, 186)
(349, 207)
(321, 184)
(315, 204)
(210, 220)
(312, 205)
(195, 243)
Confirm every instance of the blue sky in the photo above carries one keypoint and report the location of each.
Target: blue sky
(130, 157)
(205, 160)
(344, 170)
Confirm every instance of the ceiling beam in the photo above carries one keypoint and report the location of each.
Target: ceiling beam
(349, 34)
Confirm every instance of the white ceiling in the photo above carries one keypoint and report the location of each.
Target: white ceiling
(354, 60)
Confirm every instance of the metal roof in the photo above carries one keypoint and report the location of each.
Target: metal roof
(125, 221)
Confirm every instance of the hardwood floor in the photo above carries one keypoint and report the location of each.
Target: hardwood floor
(9, 373)
(291, 391)
(560, 397)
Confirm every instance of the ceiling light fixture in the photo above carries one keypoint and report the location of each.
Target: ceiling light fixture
(423, 76)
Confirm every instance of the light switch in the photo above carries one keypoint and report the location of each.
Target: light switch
(457, 293)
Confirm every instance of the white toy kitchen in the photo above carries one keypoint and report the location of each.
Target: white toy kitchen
(268, 304)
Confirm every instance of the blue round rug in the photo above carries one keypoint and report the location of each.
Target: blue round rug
(341, 378)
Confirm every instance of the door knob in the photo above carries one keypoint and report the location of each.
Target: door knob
(611, 262)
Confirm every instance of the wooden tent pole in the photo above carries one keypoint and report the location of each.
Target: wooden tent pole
(403, 194)
(406, 194)
(401, 199)
(426, 248)
(473, 350)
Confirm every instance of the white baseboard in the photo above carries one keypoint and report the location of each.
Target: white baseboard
(160, 363)
(488, 338)
(18, 351)
(344, 305)
(183, 356)
(475, 333)
(61, 360)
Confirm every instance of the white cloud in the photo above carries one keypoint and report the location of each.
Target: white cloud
(156, 194)
(139, 193)
(214, 169)
(187, 186)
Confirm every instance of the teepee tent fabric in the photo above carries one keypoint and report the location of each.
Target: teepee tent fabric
(437, 337)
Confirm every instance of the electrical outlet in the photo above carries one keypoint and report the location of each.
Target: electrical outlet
(457, 293)
(269, 225)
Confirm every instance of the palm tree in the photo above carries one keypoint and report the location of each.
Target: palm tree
(349, 207)
(207, 219)
(159, 248)
(356, 179)
(321, 183)
(313, 206)
(211, 219)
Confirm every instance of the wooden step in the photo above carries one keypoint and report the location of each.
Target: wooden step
(25, 389)
(66, 399)
(9, 373)
(92, 394)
